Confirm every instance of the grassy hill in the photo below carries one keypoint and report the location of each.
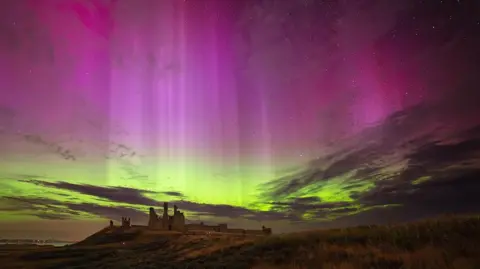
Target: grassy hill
(437, 244)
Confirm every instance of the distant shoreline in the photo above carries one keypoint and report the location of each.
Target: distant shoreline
(54, 244)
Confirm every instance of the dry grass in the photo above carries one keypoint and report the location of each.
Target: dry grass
(207, 245)
(452, 243)
(438, 244)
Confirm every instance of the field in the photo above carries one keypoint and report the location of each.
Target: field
(438, 244)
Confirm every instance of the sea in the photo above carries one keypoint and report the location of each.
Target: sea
(52, 243)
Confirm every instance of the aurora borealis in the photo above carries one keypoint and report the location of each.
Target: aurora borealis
(291, 114)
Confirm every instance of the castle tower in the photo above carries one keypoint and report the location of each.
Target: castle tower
(165, 220)
(152, 218)
(165, 208)
(178, 221)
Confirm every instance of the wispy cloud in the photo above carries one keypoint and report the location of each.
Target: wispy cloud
(381, 167)
(114, 194)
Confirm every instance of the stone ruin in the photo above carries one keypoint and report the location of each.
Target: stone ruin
(126, 222)
(176, 222)
(266, 231)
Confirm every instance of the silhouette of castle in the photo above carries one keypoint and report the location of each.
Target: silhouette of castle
(176, 222)
(125, 222)
(166, 222)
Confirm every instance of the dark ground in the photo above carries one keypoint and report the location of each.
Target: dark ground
(452, 242)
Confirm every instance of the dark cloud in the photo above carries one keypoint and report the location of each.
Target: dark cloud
(51, 216)
(455, 192)
(39, 207)
(436, 154)
(27, 202)
(412, 169)
(291, 183)
(52, 209)
(174, 193)
(12, 204)
(311, 199)
(365, 154)
(457, 195)
(229, 211)
(114, 194)
(111, 212)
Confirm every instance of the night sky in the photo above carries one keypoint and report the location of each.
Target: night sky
(294, 114)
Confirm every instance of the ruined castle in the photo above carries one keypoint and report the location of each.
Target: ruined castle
(125, 223)
(176, 222)
(166, 222)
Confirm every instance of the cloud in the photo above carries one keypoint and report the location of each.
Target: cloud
(13, 204)
(114, 194)
(52, 209)
(111, 212)
(228, 211)
(40, 207)
(173, 193)
(126, 196)
(395, 166)
(453, 192)
(52, 216)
